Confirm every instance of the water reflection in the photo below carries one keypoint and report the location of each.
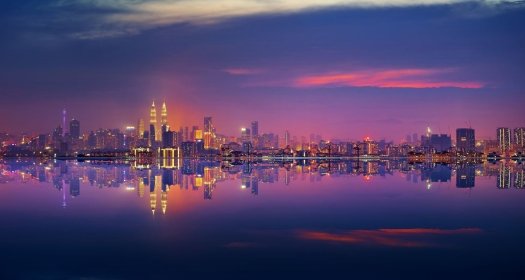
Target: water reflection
(155, 181)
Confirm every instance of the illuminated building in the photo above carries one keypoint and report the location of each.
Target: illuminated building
(503, 134)
(436, 142)
(164, 201)
(164, 114)
(74, 129)
(197, 181)
(152, 132)
(369, 147)
(194, 132)
(169, 157)
(153, 124)
(465, 140)
(519, 137)
(286, 138)
(168, 137)
(140, 130)
(199, 147)
(208, 124)
(209, 182)
(504, 177)
(208, 140)
(245, 134)
(188, 149)
(197, 134)
(209, 133)
(141, 188)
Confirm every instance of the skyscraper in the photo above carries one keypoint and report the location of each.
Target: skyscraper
(255, 128)
(465, 140)
(503, 134)
(74, 129)
(519, 137)
(153, 124)
(440, 142)
(63, 122)
(208, 132)
(245, 135)
(164, 114)
(151, 134)
(140, 128)
(208, 124)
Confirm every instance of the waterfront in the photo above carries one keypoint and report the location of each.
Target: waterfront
(303, 219)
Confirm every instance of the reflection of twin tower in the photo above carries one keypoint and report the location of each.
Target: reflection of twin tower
(155, 132)
(155, 185)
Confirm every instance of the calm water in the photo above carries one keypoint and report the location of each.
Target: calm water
(360, 220)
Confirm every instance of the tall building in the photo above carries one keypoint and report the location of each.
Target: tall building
(245, 134)
(164, 114)
(440, 142)
(64, 123)
(168, 137)
(286, 138)
(208, 124)
(151, 134)
(503, 134)
(465, 140)
(519, 137)
(140, 128)
(74, 129)
(186, 135)
(153, 123)
(255, 128)
(208, 132)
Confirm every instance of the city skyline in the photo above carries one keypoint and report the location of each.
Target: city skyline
(262, 139)
(445, 64)
(159, 120)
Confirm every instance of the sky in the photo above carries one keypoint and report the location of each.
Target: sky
(341, 69)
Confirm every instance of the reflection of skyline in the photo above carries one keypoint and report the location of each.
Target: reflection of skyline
(155, 182)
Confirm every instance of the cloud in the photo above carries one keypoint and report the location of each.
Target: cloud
(140, 14)
(392, 78)
(404, 237)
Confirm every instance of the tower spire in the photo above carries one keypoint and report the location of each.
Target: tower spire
(164, 114)
(153, 114)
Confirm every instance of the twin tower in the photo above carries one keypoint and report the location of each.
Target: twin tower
(155, 128)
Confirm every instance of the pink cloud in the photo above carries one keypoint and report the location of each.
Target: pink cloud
(242, 71)
(393, 78)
